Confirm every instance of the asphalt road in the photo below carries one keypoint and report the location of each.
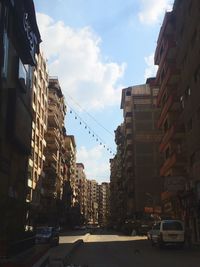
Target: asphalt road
(107, 249)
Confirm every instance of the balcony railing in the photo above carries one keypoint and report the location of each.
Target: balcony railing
(177, 160)
(53, 120)
(171, 72)
(164, 111)
(169, 44)
(168, 135)
(168, 164)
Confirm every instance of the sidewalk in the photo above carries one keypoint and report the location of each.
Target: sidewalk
(44, 255)
(59, 257)
(27, 258)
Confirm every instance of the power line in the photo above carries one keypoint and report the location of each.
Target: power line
(89, 129)
(90, 115)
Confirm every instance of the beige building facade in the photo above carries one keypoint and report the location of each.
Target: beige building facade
(38, 143)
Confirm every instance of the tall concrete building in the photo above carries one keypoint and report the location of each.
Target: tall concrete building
(93, 201)
(53, 167)
(104, 204)
(70, 181)
(178, 77)
(38, 143)
(140, 159)
(19, 43)
(118, 196)
(81, 190)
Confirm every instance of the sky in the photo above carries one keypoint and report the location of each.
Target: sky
(96, 48)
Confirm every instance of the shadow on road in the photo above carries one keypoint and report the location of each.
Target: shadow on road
(133, 253)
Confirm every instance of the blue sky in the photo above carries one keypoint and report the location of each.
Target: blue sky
(96, 48)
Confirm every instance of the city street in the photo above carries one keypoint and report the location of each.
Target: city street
(107, 249)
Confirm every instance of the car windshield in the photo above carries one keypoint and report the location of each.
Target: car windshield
(172, 226)
(43, 231)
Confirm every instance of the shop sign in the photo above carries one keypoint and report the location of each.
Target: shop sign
(148, 209)
(27, 36)
(30, 36)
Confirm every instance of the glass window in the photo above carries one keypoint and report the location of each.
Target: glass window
(5, 61)
(22, 75)
(172, 226)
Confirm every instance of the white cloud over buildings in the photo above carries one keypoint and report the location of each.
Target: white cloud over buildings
(151, 69)
(74, 55)
(94, 161)
(152, 10)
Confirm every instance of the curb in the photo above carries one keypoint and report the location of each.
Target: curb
(58, 262)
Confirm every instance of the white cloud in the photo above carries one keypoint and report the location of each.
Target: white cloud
(94, 161)
(74, 56)
(152, 10)
(151, 69)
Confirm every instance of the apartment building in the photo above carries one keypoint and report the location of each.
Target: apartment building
(19, 43)
(53, 167)
(177, 55)
(117, 191)
(81, 190)
(104, 204)
(38, 143)
(93, 199)
(140, 159)
(69, 194)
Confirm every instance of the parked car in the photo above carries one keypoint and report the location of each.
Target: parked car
(47, 235)
(167, 232)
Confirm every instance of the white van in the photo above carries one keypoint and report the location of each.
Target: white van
(168, 232)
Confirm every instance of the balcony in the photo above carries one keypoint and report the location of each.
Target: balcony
(168, 135)
(129, 142)
(170, 78)
(128, 156)
(170, 105)
(53, 145)
(128, 119)
(176, 161)
(168, 164)
(53, 131)
(53, 120)
(166, 30)
(168, 52)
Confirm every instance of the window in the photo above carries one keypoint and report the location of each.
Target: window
(128, 93)
(128, 114)
(197, 74)
(182, 102)
(34, 98)
(5, 61)
(188, 92)
(172, 226)
(23, 75)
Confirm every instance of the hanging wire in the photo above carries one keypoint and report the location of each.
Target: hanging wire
(75, 102)
(81, 121)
